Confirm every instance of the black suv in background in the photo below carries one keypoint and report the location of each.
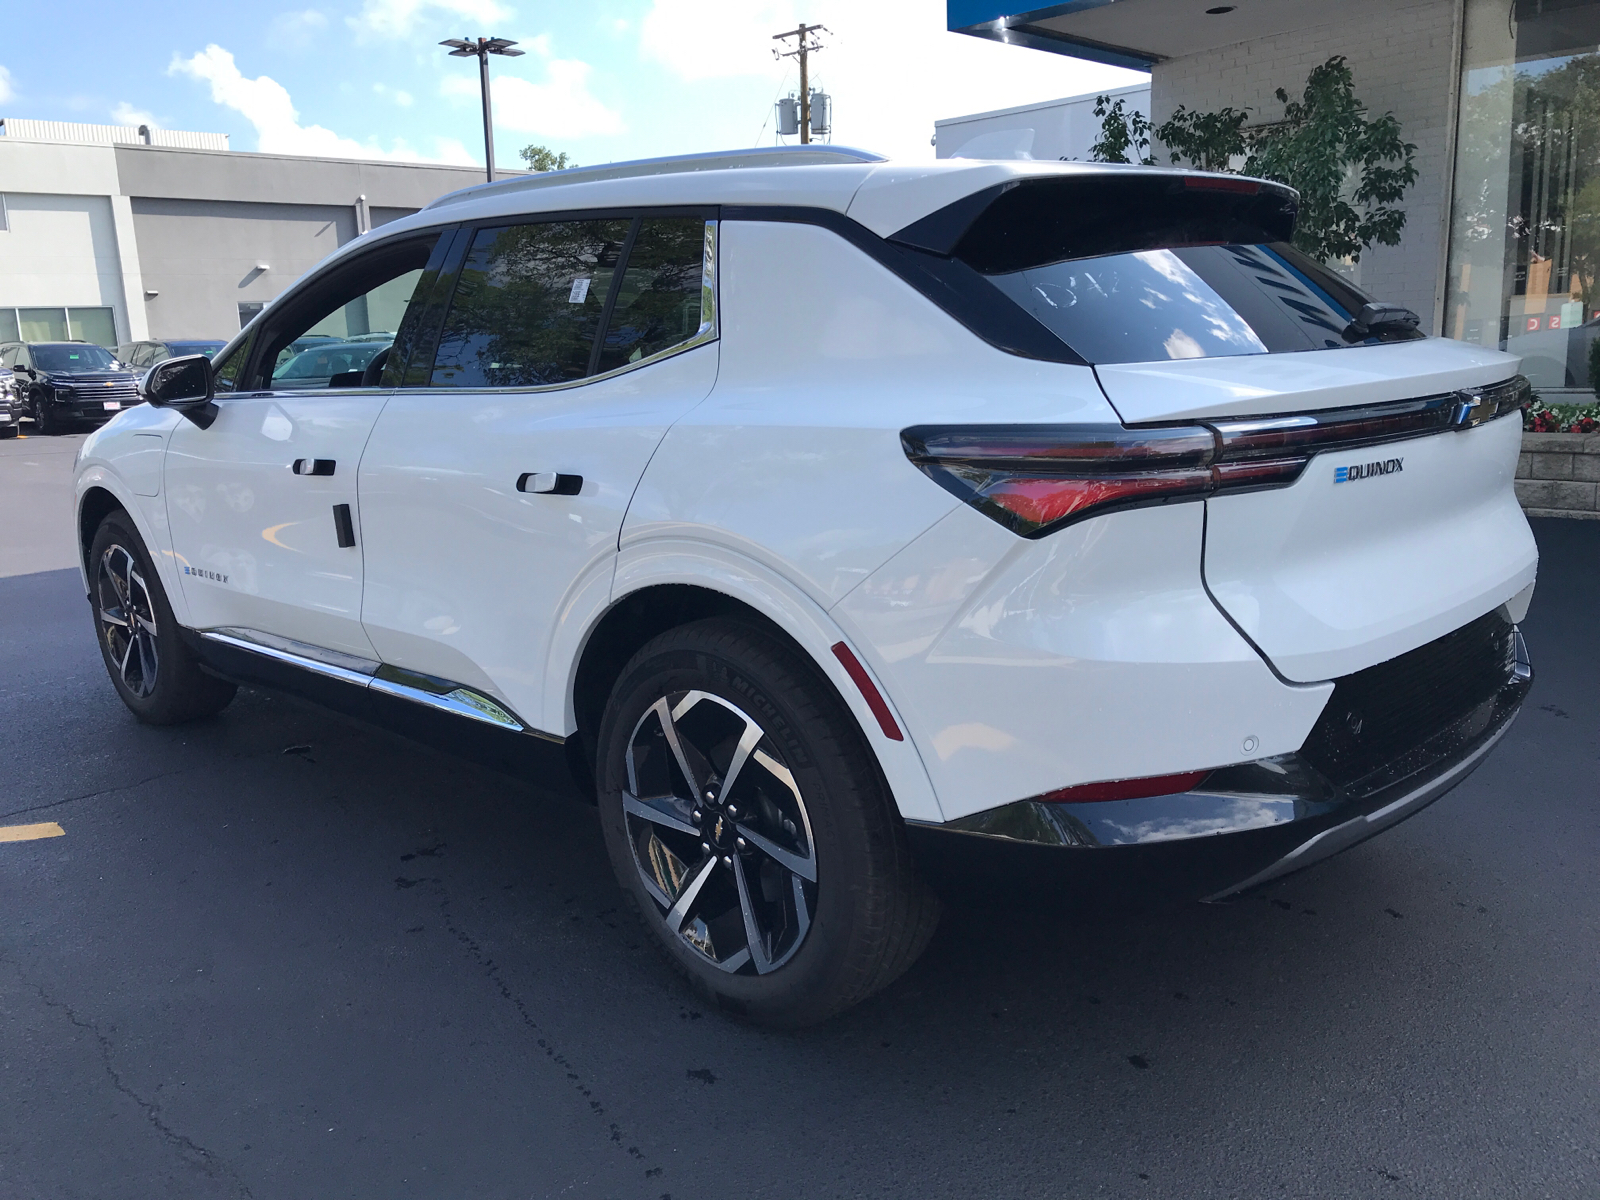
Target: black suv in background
(60, 383)
(141, 356)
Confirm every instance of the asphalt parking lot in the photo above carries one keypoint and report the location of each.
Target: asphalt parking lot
(280, 954)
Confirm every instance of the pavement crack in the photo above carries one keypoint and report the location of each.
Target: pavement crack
(121, 787)
(187, 1147)
(491, 970)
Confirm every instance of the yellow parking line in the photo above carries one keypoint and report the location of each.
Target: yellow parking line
(28, 833)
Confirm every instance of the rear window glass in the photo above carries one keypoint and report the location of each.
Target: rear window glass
(660, 296)
(1152, 267)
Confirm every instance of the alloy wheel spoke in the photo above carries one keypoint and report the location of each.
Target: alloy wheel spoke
(804, 866)
(748, 741)
(111, 617)
(679, 912)
(752, 930)
(127, 654)
(669, 727)
(148, 663)
(655, 811)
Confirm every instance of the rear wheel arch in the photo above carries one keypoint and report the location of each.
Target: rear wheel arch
(633, 621)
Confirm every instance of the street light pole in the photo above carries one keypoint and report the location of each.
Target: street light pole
(480, 49)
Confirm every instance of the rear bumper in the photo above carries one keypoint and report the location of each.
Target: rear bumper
(1245, 825)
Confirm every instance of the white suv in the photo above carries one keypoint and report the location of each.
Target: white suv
(840, 523)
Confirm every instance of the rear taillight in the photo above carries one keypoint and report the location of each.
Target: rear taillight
(1035, 479)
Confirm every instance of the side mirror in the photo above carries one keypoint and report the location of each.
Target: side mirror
(185, 384)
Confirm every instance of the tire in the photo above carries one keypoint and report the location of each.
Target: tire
(44, 420)
(9, 431)
(807, 901)
(157, 676)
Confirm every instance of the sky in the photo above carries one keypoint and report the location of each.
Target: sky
(602, 80)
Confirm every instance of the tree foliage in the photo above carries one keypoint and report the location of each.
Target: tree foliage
(1351, 170)
(1120, 132)
(540, 158)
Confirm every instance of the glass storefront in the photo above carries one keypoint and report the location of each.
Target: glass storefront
(1524, 271)
(96, 325)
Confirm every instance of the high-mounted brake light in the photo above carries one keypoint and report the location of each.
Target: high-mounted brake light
(1035, 479)
(1222, 183)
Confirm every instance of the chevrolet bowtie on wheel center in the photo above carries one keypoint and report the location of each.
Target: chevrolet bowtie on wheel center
(844, 526)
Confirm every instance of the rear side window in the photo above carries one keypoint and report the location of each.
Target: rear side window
(528, 304)
(1149, 268)
(660, 297)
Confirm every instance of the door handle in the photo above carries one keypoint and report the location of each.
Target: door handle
(313, 466)
(549, 483)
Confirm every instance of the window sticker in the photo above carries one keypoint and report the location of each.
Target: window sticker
(580, 290)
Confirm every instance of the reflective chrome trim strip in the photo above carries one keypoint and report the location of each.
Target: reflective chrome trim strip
(359, 678)
(319, 654)
(462, 701)
(1358, 829)
(458, 700)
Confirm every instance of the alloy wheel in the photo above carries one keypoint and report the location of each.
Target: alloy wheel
(127, 620)
(719, 833)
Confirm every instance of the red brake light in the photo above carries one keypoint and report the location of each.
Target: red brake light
(1126, 789)
(1222, 183)
(1035, 479)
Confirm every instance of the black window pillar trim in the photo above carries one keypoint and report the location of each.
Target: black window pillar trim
(957, 289)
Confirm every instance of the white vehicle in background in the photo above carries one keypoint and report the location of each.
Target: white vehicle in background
(845, 524)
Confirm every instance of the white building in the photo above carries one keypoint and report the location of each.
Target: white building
(116, 234)
(1052, 129)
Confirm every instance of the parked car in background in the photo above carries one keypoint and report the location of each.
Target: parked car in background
(143, 355)
(62, 383)
(846, 525)
(334, 364)
(10, 409)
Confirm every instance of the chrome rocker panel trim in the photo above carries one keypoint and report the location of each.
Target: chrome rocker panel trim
(441, 694)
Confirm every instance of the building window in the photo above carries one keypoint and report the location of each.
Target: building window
(1524, 271)
(248, 310)
(5, 218)
(96, 325)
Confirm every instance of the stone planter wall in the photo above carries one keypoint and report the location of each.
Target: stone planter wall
(1558, 475)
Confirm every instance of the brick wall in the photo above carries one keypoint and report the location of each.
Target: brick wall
(1403, 62)
(1558, 474)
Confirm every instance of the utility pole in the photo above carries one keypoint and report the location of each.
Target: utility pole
(805, 43)
(480, 49)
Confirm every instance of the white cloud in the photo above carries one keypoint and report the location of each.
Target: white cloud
(7, 92)
(561, 107)
(265, 103)
(297, 30)
(398, 95)
(714, 39)
(126, 114)
(400, 18)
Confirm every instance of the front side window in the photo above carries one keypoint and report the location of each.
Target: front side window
(336, 332)
(528, 304)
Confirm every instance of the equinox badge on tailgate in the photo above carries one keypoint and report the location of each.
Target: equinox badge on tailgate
(1388, 466)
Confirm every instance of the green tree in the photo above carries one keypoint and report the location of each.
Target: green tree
(1120, 132)
(1349, 170)
(540, 158)
(1207, 141)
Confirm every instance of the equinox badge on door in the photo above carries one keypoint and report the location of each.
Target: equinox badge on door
(1388, 466)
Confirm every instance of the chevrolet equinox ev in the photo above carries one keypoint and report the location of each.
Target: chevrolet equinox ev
(832, 520)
